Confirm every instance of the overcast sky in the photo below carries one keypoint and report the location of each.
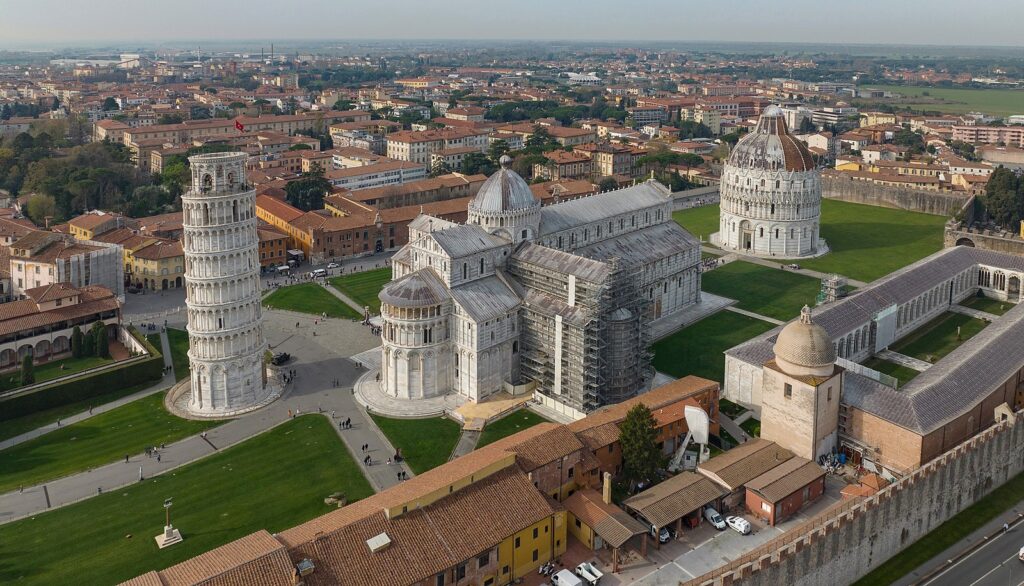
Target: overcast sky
(939, 22)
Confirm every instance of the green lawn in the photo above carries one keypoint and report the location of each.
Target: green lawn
(767, 291)
(903, 374)
(948, 534)
(702, 222)
(938, 337)
(273, 481)
(698, 348)
(363, 287)
(868, 242)
(425, 443)
(19, 425)
(988, 305)
(99, 440)
(309, 298)
(752, 427)
(507, 425)
(178, 340)
(999, 102)
(51, 370)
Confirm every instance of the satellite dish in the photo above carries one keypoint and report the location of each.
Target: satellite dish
(698, 422)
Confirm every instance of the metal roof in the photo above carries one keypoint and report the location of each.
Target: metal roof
(465, 240)
(643, 246)
(593, 271)
(485, 299)
(595, 208)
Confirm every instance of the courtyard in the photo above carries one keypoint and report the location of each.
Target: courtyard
(363, 287)
(11, 379)
(939, 337)
(988, 305)
(510, 424)
(109, 538)
(901, 373)
(309, 298)
(424, 443)
(698, 348)
(767, 291)
(866, 242)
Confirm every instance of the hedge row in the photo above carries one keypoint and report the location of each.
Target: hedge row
(90, 385)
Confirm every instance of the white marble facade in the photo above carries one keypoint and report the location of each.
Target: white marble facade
(226, 345)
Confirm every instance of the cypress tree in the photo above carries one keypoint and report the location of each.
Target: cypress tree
(28, 375)
(102, 342)
(76, 342)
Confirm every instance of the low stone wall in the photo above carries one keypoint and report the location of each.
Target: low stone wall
(903, 198)
(846, 542)
(959, 235)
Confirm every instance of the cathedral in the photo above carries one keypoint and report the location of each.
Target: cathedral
(555, 299)
(770, 194)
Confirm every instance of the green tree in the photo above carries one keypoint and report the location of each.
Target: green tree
(607, 184)
(170, 119)
(300, 147)
(40, 206)
(497, 149)
(342, 105)
(475, 163)
(807, 126)
(88, 344)
(77, 347)
(692, 129)
(639, 440)
(1004, 198)
(101, 343)
(307, 193)
(28, 375)
(110, 104)
(539, 137)
(523, 165)
(441, 168)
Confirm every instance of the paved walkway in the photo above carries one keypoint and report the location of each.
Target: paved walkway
(730, 256)
(163, 384)
(467, 443)
(904, 360)
(318, 365)
(734, 430)
(735, 309)
(345, 299)
(973, 312)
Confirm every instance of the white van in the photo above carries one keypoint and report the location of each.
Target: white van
(566, 578)
(318, 274)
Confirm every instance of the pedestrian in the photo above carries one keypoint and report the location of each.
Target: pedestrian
(126, 458)
(332, 414)
(1006, 527)
(90, 409)
(398, 475)
(389, 461)
(21, 489)
(162, 445)
(58, 422)
(348, 422)
(99, 490)
(158, 456)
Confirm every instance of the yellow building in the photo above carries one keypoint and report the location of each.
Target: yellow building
(157, 266)
(873, 118)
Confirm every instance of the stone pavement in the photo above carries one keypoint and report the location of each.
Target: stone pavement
(733, 428)
(162, 384)
(467, 443)
(323, 382)
(735, 309)
(368, 393)
(977, 313)
(904, 360)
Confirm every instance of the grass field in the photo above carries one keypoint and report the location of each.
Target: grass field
(949, 533)
(993, 306)
(51, 370)
(702, 222)
(309, 298)
(869, 242)
(866, 242)
(12, 427)
(99, 440)
(938, 337)
(763, 290)
(273, 481)
(363, 287)
(999, 102)
(507, 425)
(178, 340)
(901, 373)
(697, 349)
(752, 427)
(425, 443)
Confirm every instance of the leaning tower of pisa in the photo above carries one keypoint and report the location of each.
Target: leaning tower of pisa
(222, 268)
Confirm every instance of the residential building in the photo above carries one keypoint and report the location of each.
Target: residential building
(562, 165)
(43, 258)
(418, 146)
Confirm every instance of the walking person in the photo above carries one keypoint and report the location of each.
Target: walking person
(126, 458)
(158, 456)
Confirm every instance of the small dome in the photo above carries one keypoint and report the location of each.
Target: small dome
(414, 290)
(505, 191)
(804, 348)
(770, 146)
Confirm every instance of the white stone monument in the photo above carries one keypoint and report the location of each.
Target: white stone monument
(170, 536)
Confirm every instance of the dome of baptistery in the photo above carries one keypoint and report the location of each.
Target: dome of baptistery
(770, 194)
(804, 348)
(505, 206)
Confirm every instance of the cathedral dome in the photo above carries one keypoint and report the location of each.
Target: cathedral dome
(419, 289)
(804, 347)
(504, 191)
(771, 147)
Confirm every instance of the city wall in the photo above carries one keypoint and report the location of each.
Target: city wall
(904, 198)
(846, 542)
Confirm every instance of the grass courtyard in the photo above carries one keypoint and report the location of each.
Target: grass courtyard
(363, 287)
(771, 292)
(273, 481)
(99, 440)
(988, 305)
(938, 337)
(866, 242)
(901, 373)
(425, 443)
(698, 348)
(178, 340)
(508, 425)
(51, 370)
(999, 102)
(309, 298)
(946, 535)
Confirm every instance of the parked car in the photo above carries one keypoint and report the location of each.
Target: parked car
(739, 524)
(280, 358)
(795, 267)
(318, 273)
(664, 535)
(714, 518)
(333, 265)
(590, 574)
(1020, 554)
(566, 578)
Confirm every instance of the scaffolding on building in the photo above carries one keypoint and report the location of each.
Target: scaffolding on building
(833, 288)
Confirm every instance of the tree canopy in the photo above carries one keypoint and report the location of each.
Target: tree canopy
(640, 454)
(691, 129)
(1004, 198)
(307, 193)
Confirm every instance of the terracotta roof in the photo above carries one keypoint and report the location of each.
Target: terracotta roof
(52, 292)
(91, 221)
(744, 463)
(671, 499)
(160, 249)
(257, 558)
(17, 316)
(785, 479)
(614, 525)
(278, 208)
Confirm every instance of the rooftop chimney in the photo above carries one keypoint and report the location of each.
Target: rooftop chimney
(606, 493)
